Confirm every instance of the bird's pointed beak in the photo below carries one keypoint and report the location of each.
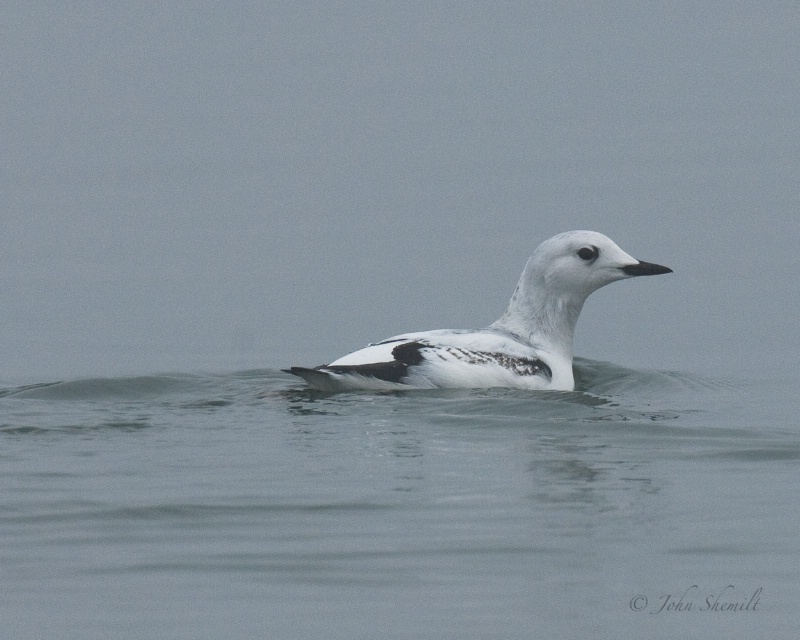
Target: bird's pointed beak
(644, 269)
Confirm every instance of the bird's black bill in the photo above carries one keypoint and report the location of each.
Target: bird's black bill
(645, 269)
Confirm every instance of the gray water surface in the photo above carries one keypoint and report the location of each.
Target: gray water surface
(246, 506)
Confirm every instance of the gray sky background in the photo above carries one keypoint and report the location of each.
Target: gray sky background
(222, 185)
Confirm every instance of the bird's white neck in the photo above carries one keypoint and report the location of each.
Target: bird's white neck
(542, 315)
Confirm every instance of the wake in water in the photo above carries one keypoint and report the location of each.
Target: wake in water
(592, 377)
(604, 391)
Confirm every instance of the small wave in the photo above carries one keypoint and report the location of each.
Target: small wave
(778, 453)
(607, 378)
(82, 428)
(21, 390)
(104, 388)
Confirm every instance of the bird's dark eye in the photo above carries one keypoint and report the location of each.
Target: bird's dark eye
(588, 253)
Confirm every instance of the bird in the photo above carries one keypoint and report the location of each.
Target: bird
(529, 347)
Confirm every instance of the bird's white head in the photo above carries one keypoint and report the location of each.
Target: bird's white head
(576, 263)
(558, 278)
